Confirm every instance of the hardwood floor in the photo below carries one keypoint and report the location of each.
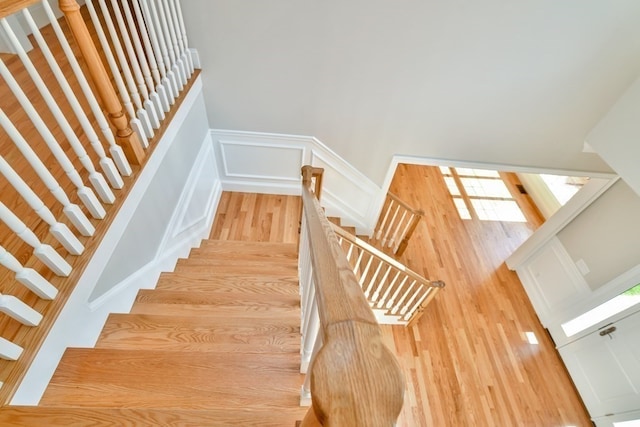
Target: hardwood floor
(467, 361)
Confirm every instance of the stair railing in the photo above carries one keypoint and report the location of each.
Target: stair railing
(388, 285)
(352, 377)
(64, 163)
(396, 225)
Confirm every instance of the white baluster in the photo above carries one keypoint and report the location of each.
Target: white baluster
(391, 301)
(311, 329)
(86, 195)
(155, 44)
(161, 32)
(423, 296)
(385, 277)
(141, 113)
(372, 282)
(388, 290)
(145, 33)
(305, 392)
(183, 31)
(363, 276)
(136, 124)
(384, 220)
(9, 350)
(356, 268)
(397, 307)
(44, 253)
(178, 70)
(135, 35)
(108, 167)
(135, 64)
(174, 41)
(114, 149)
(402, 235)
(389, 226)
(96, 179)
(30, 278)
(71, 211)
(395, 234)
(13, 307)
(59, 230)
(182, 44)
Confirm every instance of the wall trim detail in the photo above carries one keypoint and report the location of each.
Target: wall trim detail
(270, 163)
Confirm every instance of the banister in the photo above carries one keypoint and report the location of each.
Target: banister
(405, 205)
(125, 136)
(9, 7)
(355, 379)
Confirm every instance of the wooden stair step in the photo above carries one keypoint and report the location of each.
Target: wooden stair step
(231, 249)
(210, 268)
(238, 283)
(29, 416)
(189, 333)
(174, 380)
(214, 304)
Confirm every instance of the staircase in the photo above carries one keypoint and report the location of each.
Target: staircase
(216, 343)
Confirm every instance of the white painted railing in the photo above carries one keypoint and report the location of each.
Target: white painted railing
(57, 137)
(396, 225)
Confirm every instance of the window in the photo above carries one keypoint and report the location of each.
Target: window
(605, 310)
(481, 194)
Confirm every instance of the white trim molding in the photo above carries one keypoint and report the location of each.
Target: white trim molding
(270, 163)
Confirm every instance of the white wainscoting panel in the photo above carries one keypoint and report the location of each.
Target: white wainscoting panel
(270, 163)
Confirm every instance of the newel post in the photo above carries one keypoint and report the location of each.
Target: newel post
(310, 172)
(125, 137)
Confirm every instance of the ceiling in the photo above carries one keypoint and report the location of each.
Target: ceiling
(510, 82)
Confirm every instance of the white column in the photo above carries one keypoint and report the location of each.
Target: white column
(16, 309)
(160, 31)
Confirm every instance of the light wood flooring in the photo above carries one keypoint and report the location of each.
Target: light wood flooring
(467, 361)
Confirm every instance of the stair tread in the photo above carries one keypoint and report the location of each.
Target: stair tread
(173, 379)
(245, 283)
(189, 333)
(220, 267)
(213, 298)
(259, 250)
(29, 416)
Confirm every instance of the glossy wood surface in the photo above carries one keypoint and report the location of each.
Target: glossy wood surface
(467, 360)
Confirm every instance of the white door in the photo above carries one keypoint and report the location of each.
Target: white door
(605, 367)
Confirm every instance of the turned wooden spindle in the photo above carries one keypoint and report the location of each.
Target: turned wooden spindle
(125, 137)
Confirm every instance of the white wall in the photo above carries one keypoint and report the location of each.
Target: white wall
(606, 235)
(513, 83)
(616, 138)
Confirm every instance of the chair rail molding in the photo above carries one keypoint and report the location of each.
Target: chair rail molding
(270, 163)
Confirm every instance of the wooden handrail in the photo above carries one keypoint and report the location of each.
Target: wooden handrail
(9, 7)
(355, 379)
(125, 137)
